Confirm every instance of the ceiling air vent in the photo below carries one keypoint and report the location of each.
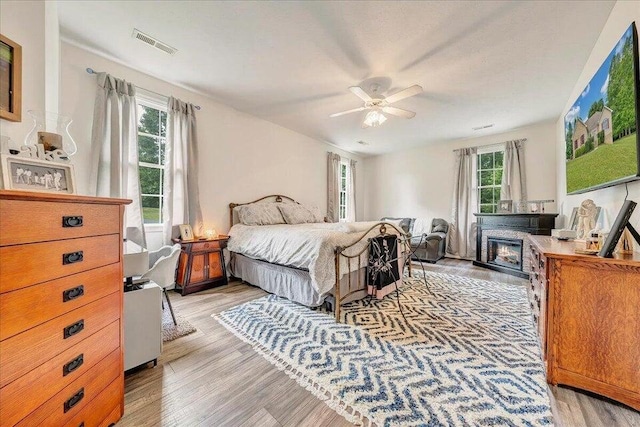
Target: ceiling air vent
(146, 38)
(483, 127)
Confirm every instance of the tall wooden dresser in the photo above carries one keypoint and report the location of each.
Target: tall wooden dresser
(587, 311)
(61, 294)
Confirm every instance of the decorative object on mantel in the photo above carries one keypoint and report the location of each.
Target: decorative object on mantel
(537, 206)
(32, 174)
(10, 80)
(521, 206)
(587, 215)
(505, 206)
(52, 131)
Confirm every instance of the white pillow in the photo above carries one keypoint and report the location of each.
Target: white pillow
(259, 214)
(298, 214)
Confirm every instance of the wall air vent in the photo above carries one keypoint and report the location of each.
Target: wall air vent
(146, 38)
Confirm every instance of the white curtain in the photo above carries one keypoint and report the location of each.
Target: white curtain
(351, 191)
(462, 233)
(181, 194)
(333, 187)
(114, 150)
(514, 183)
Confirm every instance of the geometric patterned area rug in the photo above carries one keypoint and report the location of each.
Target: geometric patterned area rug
(170, 331)
(466, 355)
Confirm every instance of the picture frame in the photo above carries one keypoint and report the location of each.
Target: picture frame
(28, 174)
(10, 80)
(186, 232)
(505, 206)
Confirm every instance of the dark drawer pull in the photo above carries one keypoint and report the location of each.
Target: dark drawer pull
(73, 400)
(72, 257)
(73, 293)
(73, 365)
(81, 424)
(72, 221)
(71, 330)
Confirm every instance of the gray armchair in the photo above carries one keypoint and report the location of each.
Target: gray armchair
(405, 223)
(431, 247)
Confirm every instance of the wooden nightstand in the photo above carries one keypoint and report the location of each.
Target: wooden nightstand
(201, 264)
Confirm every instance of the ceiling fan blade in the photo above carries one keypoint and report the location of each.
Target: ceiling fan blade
(355, 110)
(405, 93)
(399, 112)
(360, 93)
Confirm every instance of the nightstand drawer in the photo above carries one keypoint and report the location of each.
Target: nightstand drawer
(25, 394)
(208, 246)
(55, 298)
(27, 265)
(68, 403)
(30, 222)
(28, 350)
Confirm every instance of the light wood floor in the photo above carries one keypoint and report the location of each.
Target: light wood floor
(211, 378)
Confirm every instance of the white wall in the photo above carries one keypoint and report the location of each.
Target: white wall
(419, 182)
(610, 199)
(242, 157)
(24, 23)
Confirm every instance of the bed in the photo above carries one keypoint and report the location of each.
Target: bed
(308, 262)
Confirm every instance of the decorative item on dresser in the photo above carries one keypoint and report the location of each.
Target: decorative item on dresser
(201, 264)
(61, 341)
(586, 310)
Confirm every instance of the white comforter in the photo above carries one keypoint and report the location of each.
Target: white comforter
(307, 246)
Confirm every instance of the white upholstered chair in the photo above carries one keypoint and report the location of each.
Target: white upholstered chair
(162, 270)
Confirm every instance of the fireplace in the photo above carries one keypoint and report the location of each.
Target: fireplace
(504, 252)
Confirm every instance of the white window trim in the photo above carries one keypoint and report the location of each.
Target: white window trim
(347, 192)
(158, 102)
(496, 148)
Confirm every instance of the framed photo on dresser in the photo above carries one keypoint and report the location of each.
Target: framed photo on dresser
(23, 173)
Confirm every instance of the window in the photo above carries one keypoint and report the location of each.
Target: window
(489, 181)
(344, 183)
(605, 124)
(152, 126)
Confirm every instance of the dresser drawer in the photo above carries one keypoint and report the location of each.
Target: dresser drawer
(71, 400)
(55, 298)
(26, 393)
(27, 265)
(24, 352)
(104, 410)
(29, 221)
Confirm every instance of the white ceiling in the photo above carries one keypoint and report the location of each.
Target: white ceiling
(507, 63)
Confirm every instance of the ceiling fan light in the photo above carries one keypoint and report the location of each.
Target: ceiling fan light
(374, 118)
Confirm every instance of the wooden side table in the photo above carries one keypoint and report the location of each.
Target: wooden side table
(201, 265)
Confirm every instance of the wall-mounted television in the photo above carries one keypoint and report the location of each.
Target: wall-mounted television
(601, 128)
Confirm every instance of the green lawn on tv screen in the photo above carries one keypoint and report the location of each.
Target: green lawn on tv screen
(606, 163)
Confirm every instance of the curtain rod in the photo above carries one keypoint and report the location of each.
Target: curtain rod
(91, 71)
(490, 145)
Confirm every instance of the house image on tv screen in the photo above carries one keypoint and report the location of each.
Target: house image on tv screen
(597, 126)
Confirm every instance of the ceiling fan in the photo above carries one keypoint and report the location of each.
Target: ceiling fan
(378, 104)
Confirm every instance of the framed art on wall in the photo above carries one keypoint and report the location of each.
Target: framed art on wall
(23, 173)
(10, 80)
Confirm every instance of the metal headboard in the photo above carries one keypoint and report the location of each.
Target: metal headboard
(277, 198)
